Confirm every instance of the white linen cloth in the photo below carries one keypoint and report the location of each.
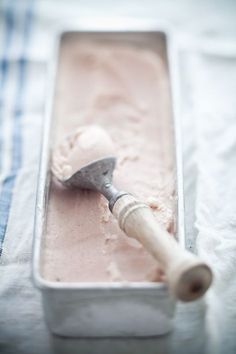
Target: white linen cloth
(208, 110)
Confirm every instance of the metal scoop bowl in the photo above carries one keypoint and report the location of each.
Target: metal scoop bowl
(97, 176)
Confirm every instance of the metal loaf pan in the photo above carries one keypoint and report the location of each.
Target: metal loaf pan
(107, 309)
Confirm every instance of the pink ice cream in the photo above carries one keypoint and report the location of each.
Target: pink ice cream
(85, 145)
(123, 89)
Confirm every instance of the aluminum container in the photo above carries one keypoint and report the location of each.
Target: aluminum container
(108, 309)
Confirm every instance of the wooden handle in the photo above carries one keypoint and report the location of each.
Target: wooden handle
(188, 277)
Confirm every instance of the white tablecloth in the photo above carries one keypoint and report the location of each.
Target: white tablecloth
(205, 32)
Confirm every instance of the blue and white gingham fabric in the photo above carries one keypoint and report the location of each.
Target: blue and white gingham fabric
(208, 111)
(12, 103)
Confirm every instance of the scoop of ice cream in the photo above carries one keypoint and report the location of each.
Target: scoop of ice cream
(85, 145)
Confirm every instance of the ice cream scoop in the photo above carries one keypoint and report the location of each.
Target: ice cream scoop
(188, 276)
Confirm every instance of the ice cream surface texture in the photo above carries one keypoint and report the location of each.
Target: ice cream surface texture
(124, 89)
(85, 145)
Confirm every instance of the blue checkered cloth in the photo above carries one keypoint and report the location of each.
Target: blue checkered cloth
(13, 67)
